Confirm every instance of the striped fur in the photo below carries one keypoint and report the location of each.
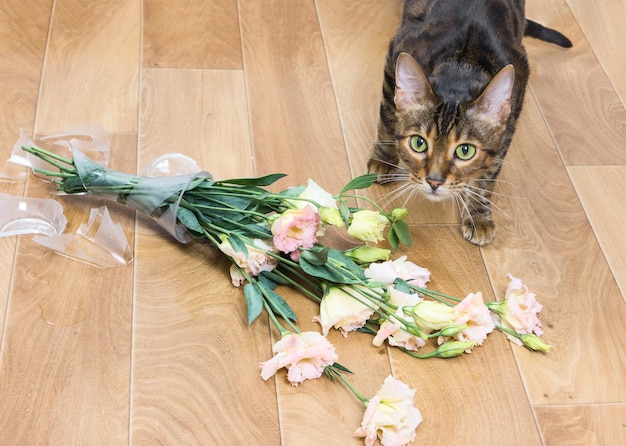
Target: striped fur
(456, 74)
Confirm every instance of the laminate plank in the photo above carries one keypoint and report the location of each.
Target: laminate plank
(356, 41)
(191, 34)
(605, 32)
(293, 112)
(211, 124)
(65, 364)
(23, 35)
(92, 63)
(549, 243)
(159, 352)
(574, 92)
(599, 189)
(23, 31)
(582, 425)
(196, 377)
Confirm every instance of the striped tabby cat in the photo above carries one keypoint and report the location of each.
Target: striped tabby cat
(454, 85)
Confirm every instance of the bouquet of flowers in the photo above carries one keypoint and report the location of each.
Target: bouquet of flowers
(273, 238)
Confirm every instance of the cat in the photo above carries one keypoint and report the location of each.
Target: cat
(454, 84)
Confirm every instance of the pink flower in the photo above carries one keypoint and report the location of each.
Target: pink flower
(387, 272)
(305, 355)
(390, 415)
(344, 308)
(256, 261)
(296, 228)
(473, 312)
(392, 330)
(519, 310)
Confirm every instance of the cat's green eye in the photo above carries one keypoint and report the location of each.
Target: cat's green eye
(465, 152)
(418, 144)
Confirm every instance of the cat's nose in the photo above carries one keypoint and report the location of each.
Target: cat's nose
(434, 182)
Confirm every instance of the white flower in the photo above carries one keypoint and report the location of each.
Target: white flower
(387, 272)
(390, 415)
(344, 308)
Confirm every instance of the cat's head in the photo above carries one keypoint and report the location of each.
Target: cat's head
(447, 145)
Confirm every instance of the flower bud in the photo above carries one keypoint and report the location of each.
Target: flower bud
(452, 330)
(331, 216)
(535, 343)
(399, 213)
(368, 254)
(451, 349)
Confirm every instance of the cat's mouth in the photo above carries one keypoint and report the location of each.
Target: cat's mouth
(439, 193)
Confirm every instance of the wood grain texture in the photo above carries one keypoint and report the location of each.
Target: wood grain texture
(600, 191)
(159, 352)
(23, 35)
(582, 425)
(575, 92)
(98, 43)
(356, 64)
(293, 112)
(66, 348)
(191, 34)
(605, 35)
(194, 354)
(211, 124)
(549, 243)
(195, 361)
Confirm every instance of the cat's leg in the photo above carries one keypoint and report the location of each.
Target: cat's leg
(477, 225)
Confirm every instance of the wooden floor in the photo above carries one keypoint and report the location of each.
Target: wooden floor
(159, 352)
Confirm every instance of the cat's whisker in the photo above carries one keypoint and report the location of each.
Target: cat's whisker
(398, 192)
(481, 190)
(464, 210)
(481, 200)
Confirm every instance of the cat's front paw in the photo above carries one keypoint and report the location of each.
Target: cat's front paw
(381, 168)
(479, 233)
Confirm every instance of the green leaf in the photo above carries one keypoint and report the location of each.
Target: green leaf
(273, 277)
(339, 268)
(292, 192)
(342, 368)
(393, 238)
(345, 212)
(402, 230)
(360, 182)
(188, 219)
(278, 305)
(254, 301)
(266, 280)
(259, 181)
(231, 202)
(237, 244)
(315, 256)
(402, 286)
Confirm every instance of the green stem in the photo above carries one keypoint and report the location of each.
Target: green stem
(38, 152)
(348, 384)
(282, 330)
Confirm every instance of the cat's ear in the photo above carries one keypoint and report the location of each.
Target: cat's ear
(494, 104)
(412, 87)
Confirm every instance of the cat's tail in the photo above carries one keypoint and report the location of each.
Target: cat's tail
(538, 31)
